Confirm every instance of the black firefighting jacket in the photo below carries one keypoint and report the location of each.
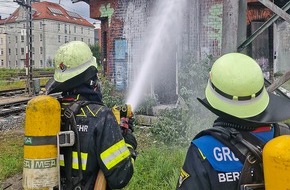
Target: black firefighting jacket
(210, 165)
(102, 146)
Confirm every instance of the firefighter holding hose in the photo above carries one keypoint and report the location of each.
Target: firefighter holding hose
(229, 154)
(100, 144)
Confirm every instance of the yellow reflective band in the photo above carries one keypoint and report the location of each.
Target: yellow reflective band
(115, 154)
(61, 160)
(75, 163)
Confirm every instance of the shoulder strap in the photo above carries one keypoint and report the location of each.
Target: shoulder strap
(70, 124)
(281, 129)
(246, 146)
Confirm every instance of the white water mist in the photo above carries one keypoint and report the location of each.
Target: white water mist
(164, 29)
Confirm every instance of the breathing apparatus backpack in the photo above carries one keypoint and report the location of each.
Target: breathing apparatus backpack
(248, 149)
(69, 137)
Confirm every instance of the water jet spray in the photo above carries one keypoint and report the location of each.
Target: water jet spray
(159, 43)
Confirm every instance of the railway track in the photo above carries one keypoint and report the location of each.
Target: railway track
(12, 92)
(14, 102)
(13, 108)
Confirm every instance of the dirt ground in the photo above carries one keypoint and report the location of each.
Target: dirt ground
(12, 183)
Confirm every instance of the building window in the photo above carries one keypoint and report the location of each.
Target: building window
(82, 30)
(1, 40)
(16, 63)
(58, 27)
(16, 39)
(41, 63)
(2, 62)
(15, 51)
(41, 50)
(1, 51)
(65, 39)
(82, 39)
(22, 38)
(75, 38)
(40, 37)
(65, 28)
(22, 51)
(40, 25)
(58, 38)
(75, 29)
(9, 40)
(9, 51)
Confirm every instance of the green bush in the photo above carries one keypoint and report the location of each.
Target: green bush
(171, 127)
(145, 108)
(111, 96)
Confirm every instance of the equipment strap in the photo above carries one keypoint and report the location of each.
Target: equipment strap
(246, 147)
(70, 124)
(69, 114)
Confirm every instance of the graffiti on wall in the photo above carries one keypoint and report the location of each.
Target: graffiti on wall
(107, 11)
(120, 57)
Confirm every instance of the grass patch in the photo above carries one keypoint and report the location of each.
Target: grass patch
(7, 85)
(157, 165)
(11, 157)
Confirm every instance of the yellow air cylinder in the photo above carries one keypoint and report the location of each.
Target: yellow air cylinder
(42, 124)
(276, 163)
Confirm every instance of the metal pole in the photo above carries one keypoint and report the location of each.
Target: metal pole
(29, 47)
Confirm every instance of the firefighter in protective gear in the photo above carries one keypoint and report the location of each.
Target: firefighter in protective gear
(102, 146)
(235, 92)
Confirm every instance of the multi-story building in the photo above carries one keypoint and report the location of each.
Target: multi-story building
(52, 26)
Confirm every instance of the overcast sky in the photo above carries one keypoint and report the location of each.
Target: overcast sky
(7, 7)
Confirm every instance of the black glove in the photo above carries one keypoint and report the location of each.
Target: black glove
(131, 140)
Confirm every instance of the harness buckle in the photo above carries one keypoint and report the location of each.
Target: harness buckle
(66, 138)
(68, 113)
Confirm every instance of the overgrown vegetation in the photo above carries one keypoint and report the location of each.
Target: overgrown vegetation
(146, 105)
(157, 165)
(96, 50)
(178, 125)
(111, 96)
